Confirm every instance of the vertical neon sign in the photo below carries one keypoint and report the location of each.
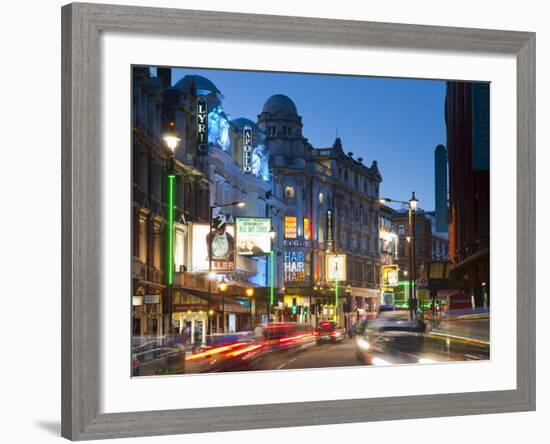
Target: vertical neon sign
(170, 230)
(272, 281)
(202, 126)
(247, 149)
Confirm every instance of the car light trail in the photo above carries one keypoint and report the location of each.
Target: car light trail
(244, 350)
(210, 352)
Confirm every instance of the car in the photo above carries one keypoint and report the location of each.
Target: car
(157, 360)
(328, 331)
(358, 328)
(287, 335)
(390, 340)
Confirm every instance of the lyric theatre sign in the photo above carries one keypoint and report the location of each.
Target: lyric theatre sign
(247, 149)
(202, 126)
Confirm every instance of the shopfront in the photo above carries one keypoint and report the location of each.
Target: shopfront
(191, 321)
(146, 312)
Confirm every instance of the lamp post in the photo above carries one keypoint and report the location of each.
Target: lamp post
(412, 204)
(172, 141)
(211, 274)
(222, 287)
(250, 293)
(272, 258)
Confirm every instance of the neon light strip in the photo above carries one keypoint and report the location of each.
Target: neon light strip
(170, 231)
(272, 282)
(336, 300)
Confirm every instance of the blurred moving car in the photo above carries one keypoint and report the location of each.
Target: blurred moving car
(358, 328)
(328, 331)
(390, 340)
(157, 360)
(285, 335)
(386, 307)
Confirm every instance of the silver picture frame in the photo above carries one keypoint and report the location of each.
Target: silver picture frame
(82, 25)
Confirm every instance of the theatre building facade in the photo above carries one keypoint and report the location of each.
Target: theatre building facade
(322, 205)
(330, 238)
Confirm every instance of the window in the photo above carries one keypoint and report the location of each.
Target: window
(401, 229)
(401, 249)
(419, 228)
(179, 252)
(157, 249)
(142, 239)
(289, 192)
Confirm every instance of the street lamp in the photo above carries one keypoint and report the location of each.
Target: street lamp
(412, 204)
(413, 201)
(171, 140)
(222, 286)
(236, 203)
(250, 292)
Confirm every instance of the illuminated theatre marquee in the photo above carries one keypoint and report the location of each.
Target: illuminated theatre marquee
(202, 126)
(247, 150)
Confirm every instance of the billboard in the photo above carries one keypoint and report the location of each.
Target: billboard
(295, 266)
(307, 229)
(253, 235)
(390, 276)
(291, 227)
(336, 267)
(223, 246)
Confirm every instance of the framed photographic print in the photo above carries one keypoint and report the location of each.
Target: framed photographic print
(279, 221)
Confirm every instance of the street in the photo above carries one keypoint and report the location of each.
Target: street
(445, 344)
(311, 356)
(450, 341)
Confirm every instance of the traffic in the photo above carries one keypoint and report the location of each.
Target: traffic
(391, 338)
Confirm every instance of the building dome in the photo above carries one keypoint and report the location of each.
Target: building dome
(280, 103)
(201, 83)
(241, 122)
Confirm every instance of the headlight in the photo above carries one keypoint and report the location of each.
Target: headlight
(362, 344)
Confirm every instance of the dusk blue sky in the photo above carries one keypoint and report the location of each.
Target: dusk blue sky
(397, 122)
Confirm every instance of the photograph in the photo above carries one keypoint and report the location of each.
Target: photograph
(284, 221)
